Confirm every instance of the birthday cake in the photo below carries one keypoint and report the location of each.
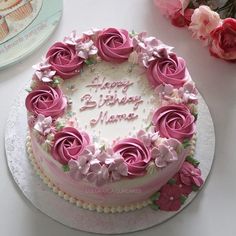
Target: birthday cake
(112, 122)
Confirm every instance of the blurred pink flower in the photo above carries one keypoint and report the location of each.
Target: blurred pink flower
(170, 7)
(203, 21)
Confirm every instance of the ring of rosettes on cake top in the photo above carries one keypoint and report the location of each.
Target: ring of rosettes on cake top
(169, 136)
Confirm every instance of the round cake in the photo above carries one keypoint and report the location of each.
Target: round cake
(112, 122)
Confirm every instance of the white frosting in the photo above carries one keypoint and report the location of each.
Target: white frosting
(112, 73)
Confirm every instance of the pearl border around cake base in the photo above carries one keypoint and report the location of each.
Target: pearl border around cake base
(43, 198)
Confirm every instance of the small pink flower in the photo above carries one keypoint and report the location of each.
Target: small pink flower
(43, 71)
(72, 39)
(45, 75)
(185, 189)
(43, 124)
(169, 199)
(117, 167)
(148, 138)
(149, 49)
(43, 65)
(190, 175)
(203, 21)
(188, 93)
(85, 49)
(164, 91)
(115, 164)
(98, 173)
(79, 168)
(166, 152)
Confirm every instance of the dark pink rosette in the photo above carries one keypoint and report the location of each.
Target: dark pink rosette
(135, 155)
(69, 144)
(114, 45)
(46, 101)
(174, 121)
(64, 60)
(170, 70)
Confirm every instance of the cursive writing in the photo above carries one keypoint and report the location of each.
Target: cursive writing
(98, 83)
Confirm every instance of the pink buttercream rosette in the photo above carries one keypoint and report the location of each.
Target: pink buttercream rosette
(64, 60)
(170, 70)
(135, 154)
(46, 101)
(114, 45)
(69, 144)
(174, 121)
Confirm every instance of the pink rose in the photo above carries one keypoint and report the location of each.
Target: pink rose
(135, 155)
(223, 44)
(169, 70)
(46, 101)
(114, 45)
(69, 144)
(170, 7)
(64, 60)
(203, 21)
(174, 121)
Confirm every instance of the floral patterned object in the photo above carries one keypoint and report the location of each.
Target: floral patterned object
(207, 23)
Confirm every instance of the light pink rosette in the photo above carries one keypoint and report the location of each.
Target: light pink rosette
(170, 70)
(135, 154)
(174, 121)
(69, 144)
(64, 60)
(114, 45)
(46, 101)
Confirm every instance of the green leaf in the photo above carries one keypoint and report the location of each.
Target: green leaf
(70, 113)
(59, 125)
(132, 33)
(186, 143)
(172, 181)
(103, 148)
(182, 199)
(195, 116)
(155, 196)
(154, 207)
(148, 127)
(195, 188)
(65, 168)
(192, 161)
(89, 62)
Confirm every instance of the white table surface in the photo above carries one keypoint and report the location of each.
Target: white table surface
(213, 211)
